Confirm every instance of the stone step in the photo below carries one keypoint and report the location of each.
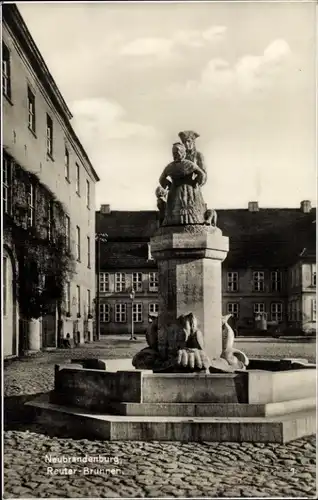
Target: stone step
(278, 429)
(212, 409)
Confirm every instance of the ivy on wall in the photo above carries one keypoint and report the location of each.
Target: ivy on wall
(35, 226)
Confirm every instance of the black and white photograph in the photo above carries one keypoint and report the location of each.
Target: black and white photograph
(159, 192)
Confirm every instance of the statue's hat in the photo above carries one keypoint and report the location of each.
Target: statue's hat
(188, 134)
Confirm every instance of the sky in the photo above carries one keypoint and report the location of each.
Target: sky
(242, 75)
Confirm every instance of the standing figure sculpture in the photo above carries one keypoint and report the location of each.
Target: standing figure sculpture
(183, 178)
(188, 138)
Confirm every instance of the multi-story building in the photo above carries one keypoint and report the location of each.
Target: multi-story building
(126, 264)
(268, 277)
(40, 143)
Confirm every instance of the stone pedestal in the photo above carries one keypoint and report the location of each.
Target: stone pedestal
(67, 327)
(34, 335)
(90, 330)
(190, 278)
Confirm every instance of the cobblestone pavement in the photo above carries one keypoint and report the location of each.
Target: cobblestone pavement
(137, 469)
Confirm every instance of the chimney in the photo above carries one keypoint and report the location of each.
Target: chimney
(305, 206)
(253, 206)
(105, 209)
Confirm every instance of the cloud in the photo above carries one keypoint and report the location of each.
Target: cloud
(166, 46)
(214, 33)
(248, 74)
(147, 47)
(276, 51)
(96, 120)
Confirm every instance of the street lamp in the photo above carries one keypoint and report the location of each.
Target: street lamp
(132, 296)
(99, 237)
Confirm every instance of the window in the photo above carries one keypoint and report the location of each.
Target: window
(314, 315)
(259, 308)
(137, 312)
(49, 219)
(78, 299)
(289, 311)
(104, 313)
(88, 195)
(31, 110)
(292, 277)
(78, 244)
(66, 164)
(77, 178)
(258, 281)
(6, 71)
(88, 252)
(293, 310)
(49, 135)
(137, 282)
(88, 300)
(120, 313)
(298, 310)
(232, 282)
(276, 311)
(30, 204)
(6, 184)
(313, 280)
(104, 282)
(67, 232)
(297, 276)
(275, 281)
(68, 297)
(153, 282)
(153, 308)
(233, 308)
(5, 285)
(120, 282)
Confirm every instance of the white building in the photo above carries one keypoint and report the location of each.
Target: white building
(39, 138)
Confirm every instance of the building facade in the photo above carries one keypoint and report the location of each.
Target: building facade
(38, 139)
(268, 277)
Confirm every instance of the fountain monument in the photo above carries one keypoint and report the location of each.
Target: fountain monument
(189, 383)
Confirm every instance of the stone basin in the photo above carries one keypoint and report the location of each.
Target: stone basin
(273, 401)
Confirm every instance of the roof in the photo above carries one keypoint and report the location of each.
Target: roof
(270, 237)
(130, 225)
(123, 255)
(13, 18)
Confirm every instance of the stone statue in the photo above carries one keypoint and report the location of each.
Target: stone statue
(183, 349)
(183, 179)
(210, 217)
(188, 138)
(161, 195)
(234, 357)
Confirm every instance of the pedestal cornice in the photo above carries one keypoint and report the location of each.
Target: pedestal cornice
(201, 242)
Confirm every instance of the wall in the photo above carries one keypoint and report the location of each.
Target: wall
(308, 296)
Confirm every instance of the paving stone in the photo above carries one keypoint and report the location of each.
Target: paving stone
(155, 493)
